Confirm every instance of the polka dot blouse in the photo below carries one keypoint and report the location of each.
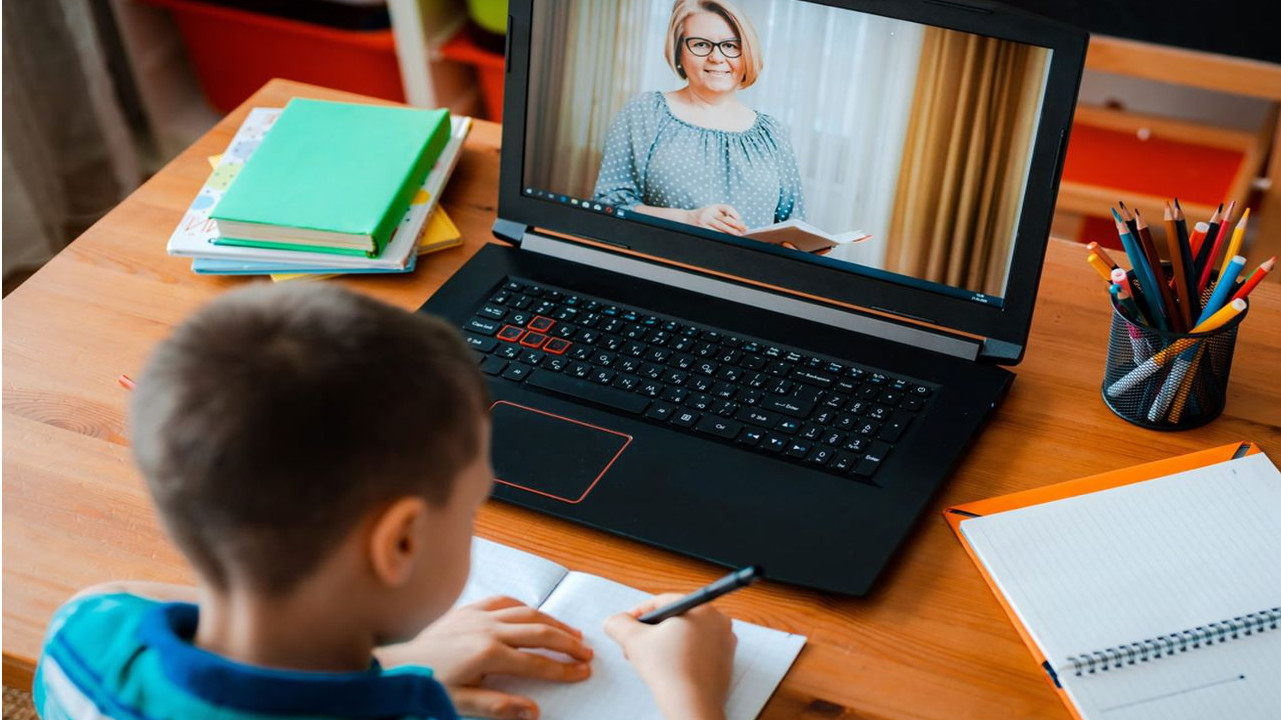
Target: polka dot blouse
(654, 158)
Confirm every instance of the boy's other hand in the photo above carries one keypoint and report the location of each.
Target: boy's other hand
(686, 660)
(486, 638)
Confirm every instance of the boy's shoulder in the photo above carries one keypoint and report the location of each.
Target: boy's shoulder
(90, 640)
(123, 656)
(92, 620)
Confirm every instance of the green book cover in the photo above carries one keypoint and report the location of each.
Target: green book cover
(334, 168)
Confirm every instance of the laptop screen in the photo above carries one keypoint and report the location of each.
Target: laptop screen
(872, 145)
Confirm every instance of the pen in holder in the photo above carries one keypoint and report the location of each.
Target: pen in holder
(1166, 380)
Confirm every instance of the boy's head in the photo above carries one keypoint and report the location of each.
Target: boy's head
(291, 431)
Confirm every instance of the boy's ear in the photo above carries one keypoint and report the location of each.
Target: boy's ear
(394, 540)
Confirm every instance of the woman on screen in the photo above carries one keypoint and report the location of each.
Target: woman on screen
(698, 155)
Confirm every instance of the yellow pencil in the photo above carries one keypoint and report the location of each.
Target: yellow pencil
(1100, 267)
(1185, 387)
(1234, 246)
(1097, 249)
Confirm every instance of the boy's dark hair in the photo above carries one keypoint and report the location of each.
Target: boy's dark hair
(277, 417)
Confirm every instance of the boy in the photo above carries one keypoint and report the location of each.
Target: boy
(319, 458)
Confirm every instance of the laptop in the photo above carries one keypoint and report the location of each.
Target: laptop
(764, 265)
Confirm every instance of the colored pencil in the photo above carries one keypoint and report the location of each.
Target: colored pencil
(1211, 232)
(1194, 242)
(1130, 222)
(1223, 288)
(1255, 278)
(1175, 244)
(1097, 249)
(1146, 294)
(1100, 267)
(1121, 279)
(1186, 253)
(126, 382)
(1181, 221)
(1127, 304)
(1169, 307)
(1181, 369)
(1238, 235)
(1185, 387)
(1219, 241)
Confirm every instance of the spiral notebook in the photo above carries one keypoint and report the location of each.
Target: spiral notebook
(614, 690)
(1147, 595)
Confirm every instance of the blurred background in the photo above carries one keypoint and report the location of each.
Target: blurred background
(98, 94)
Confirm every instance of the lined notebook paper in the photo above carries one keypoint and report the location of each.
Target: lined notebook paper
(614, 691)
(1159, 599)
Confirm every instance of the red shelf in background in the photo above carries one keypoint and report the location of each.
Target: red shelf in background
(235, 52)
(1160, 167)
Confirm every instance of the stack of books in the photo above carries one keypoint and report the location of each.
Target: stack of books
(324, 188)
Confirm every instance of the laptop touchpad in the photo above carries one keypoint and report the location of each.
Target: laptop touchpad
(551, 455)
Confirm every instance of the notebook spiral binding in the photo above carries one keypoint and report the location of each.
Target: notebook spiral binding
(1115, 658)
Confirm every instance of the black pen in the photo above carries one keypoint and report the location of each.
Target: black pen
(727, 584)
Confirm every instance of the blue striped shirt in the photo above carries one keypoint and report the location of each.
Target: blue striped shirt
(124, 657)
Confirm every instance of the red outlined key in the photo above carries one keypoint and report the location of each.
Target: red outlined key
(510, 333)
(533, 339)
(557, 346)
(541, 324)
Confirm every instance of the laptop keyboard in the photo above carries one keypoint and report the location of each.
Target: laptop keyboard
(820, 412)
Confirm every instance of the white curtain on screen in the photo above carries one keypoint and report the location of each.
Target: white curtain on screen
(847, 110)
(605, 46)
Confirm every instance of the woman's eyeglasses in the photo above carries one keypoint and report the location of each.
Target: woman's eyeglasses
(702, 47)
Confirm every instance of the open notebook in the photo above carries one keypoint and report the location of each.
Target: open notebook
(583, 601)
(1157, 599)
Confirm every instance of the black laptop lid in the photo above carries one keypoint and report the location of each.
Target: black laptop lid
(915, 145)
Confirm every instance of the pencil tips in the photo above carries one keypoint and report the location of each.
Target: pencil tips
(1244, 216)
(1116, 215)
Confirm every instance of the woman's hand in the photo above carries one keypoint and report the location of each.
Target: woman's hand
(685, 660)
(820, 251)
(485, 638)
(718, 217)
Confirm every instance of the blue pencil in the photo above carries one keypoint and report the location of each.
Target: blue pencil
(1223, 289)
(1142, 272)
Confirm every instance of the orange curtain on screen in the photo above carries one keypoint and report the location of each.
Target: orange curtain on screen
(964, 159)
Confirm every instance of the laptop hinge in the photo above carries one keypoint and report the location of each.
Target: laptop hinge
(510, 230)
(815, 311)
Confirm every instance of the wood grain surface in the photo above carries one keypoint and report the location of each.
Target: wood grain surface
(930, 642)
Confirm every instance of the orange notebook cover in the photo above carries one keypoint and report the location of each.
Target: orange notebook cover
(957, 514)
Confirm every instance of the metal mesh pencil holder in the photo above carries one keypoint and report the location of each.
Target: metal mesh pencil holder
(1167, 380)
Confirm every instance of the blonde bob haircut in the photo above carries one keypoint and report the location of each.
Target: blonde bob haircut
(751, 57)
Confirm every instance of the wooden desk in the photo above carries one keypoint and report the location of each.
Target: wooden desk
(931, 642)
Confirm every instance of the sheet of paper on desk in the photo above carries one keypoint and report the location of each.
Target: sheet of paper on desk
(584, 601)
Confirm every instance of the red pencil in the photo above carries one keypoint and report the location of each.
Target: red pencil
(1198, 236)
(125, 382)
(1210, 234)
(1255, 278)
(1225, 229)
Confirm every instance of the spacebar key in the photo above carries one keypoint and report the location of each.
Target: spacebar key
(584, 390)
